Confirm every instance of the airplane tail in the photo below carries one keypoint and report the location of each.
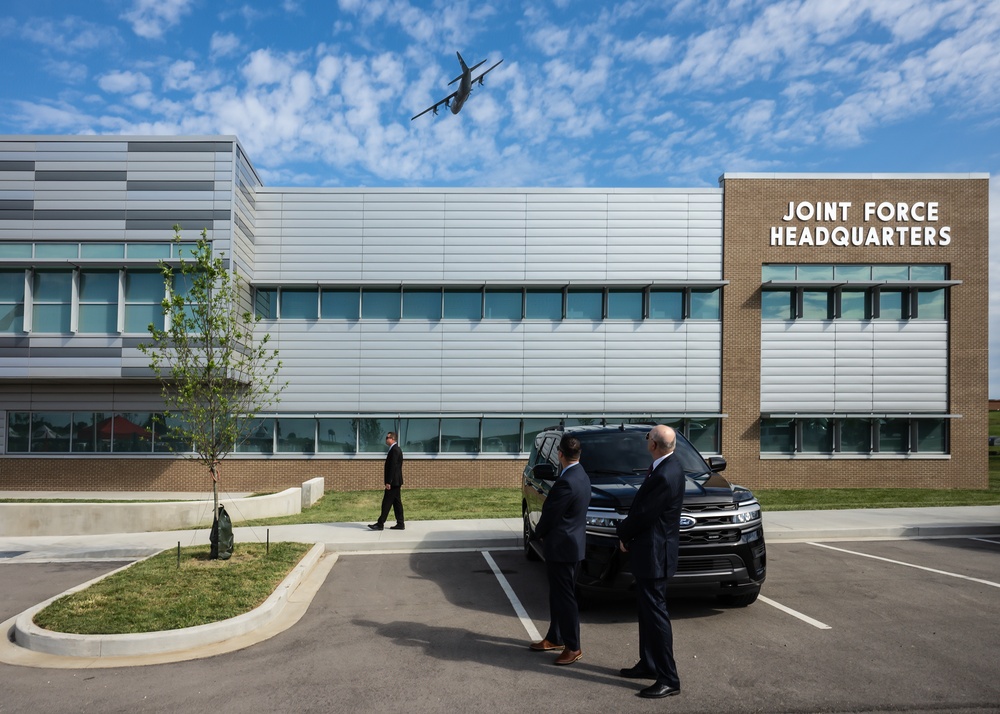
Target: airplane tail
(465, 67)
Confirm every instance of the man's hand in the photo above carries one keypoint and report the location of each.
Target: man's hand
(387, 487)
(621, 547)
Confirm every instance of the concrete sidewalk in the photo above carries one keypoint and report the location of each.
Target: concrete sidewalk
(779, 526)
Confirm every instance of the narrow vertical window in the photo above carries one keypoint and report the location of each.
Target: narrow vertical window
(11, 301)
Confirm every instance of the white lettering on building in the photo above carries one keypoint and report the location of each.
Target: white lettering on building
(861, 233)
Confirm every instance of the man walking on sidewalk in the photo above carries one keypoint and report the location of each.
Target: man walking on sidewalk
(393, 486)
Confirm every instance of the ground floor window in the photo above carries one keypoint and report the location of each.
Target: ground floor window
(853, 435)
(297, 434)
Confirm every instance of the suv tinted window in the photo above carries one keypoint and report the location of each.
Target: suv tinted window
(614, 454)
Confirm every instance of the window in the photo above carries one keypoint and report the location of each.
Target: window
(18, 431)
(147, 251)
(50, 432)
(53, 298)
(625, 304)
(296, 435)
(543, 305)
(704, 304)
(666, 304)
(777, 436)
(340, 304)
(422, 304)
(98, 301)
(460, 436)
(338, 436)
(419, 436)
(371, 434)
(11, 301)
(380, 304)
(930, 304)
(856, 436)
(703, 433)
(891, 305)
(501, 436)
(584, 305)
(817, 435)
(259, 438)
(144, 293)
(299, 304)
(266, 303)
(776, 305)
(131, 432)
(463, 304)
(893, 435)
(531, 429)
(930, 436)
(57, 251)
(503, 304)
(855, 304)
(102, 251)
(816, 305)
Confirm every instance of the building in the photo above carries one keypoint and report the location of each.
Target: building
(816, 330)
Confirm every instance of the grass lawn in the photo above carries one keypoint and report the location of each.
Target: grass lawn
(156, 594)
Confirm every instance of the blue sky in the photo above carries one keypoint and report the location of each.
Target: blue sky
(627, 93)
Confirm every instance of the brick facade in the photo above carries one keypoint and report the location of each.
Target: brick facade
(752, 206)
(248, 475)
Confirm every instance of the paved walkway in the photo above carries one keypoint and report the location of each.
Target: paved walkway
(779, 526)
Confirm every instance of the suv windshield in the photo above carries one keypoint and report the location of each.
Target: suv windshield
(610, 455)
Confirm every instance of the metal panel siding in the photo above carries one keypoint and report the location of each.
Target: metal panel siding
(848, 366)
(480, 236)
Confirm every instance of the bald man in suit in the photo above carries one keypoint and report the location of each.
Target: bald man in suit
(650, 534)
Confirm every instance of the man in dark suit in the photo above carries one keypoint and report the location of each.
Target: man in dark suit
(562, 527)
(393, 486)
(651, 536)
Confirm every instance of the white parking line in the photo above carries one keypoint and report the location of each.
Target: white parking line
(522, 614)
(794, 613)
(909, 565)
(986, 540)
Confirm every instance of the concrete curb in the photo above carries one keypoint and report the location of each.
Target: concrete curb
(29, 636)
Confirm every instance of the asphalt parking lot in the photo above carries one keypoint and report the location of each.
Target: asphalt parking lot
(868, 626)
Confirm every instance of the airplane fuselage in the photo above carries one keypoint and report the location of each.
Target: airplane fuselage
(464, 89)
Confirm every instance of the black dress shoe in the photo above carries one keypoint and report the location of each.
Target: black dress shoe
(397, 527)
(637, 672)
(376, 526)
(658, 691)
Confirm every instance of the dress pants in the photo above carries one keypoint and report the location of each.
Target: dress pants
(564, 613)
(656, 637)
(391, 499)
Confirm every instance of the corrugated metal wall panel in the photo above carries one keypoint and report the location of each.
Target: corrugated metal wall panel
(848, 366)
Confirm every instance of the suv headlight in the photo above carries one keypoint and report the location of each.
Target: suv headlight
(747, 516)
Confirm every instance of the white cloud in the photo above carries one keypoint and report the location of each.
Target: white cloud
(223, 44)
(152, 18)
(124, 82)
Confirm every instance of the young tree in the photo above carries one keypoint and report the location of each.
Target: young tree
(215, 376)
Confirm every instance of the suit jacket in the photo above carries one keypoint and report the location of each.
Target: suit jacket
(394, 466)
(563, 523)
(651, 531)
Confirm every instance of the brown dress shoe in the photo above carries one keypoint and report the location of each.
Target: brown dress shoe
(569, 656)
(545, 646)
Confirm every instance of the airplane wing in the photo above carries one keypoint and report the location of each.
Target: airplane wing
(446, 101)
(480, 77)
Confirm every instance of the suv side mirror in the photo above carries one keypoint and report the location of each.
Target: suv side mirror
(544, 472)
(716, 463)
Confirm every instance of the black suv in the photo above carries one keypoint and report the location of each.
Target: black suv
(722, 537)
